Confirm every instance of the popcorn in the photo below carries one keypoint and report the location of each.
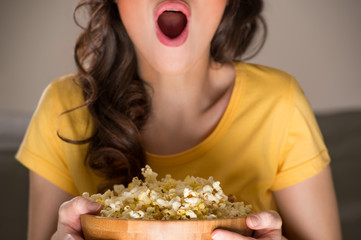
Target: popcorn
(168, 199)
(136, 214)
(176, 206)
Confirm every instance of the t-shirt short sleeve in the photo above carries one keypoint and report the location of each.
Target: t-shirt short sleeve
(303, 152)
(41, 150)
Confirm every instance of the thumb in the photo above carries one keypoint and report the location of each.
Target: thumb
(68, 236)
(69, 212)
(220, 234)
(264, 220)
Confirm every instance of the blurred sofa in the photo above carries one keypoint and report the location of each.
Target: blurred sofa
(342, 133)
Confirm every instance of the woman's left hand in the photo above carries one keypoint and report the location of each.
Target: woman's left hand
(267, 226)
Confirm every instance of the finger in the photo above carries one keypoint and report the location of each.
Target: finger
(69, 236)
(264, 220)
(220, 234)
(69, 212)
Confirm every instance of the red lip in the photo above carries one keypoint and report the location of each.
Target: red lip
(172, 6)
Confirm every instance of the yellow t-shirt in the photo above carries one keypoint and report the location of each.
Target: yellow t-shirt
(266, 140)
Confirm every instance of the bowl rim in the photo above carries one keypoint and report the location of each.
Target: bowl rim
(170, 220)
(95, 227)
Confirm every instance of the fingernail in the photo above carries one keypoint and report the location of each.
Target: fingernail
(214, 235)
(69, 237)
(255, 221)
(94, 206)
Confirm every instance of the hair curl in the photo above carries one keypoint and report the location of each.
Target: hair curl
(114, 94)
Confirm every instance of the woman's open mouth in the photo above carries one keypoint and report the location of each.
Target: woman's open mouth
(171, 21)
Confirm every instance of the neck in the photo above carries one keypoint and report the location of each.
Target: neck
(186, 106)
(182, 90)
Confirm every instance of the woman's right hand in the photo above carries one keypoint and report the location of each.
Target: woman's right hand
(69, 226)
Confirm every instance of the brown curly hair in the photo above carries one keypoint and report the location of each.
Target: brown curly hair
(115, 95)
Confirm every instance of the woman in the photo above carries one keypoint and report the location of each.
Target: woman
(158, 83)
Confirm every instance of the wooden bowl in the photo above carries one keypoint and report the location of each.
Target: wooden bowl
(95, 227)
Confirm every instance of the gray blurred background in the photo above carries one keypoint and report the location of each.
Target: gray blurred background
(316, 41)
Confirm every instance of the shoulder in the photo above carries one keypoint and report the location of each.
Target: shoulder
(65, 86)
(62, 94)
(63, 103)
(266, 82)
(258, 70)
(262, 74)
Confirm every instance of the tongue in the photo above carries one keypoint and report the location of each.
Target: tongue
(172, 23)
